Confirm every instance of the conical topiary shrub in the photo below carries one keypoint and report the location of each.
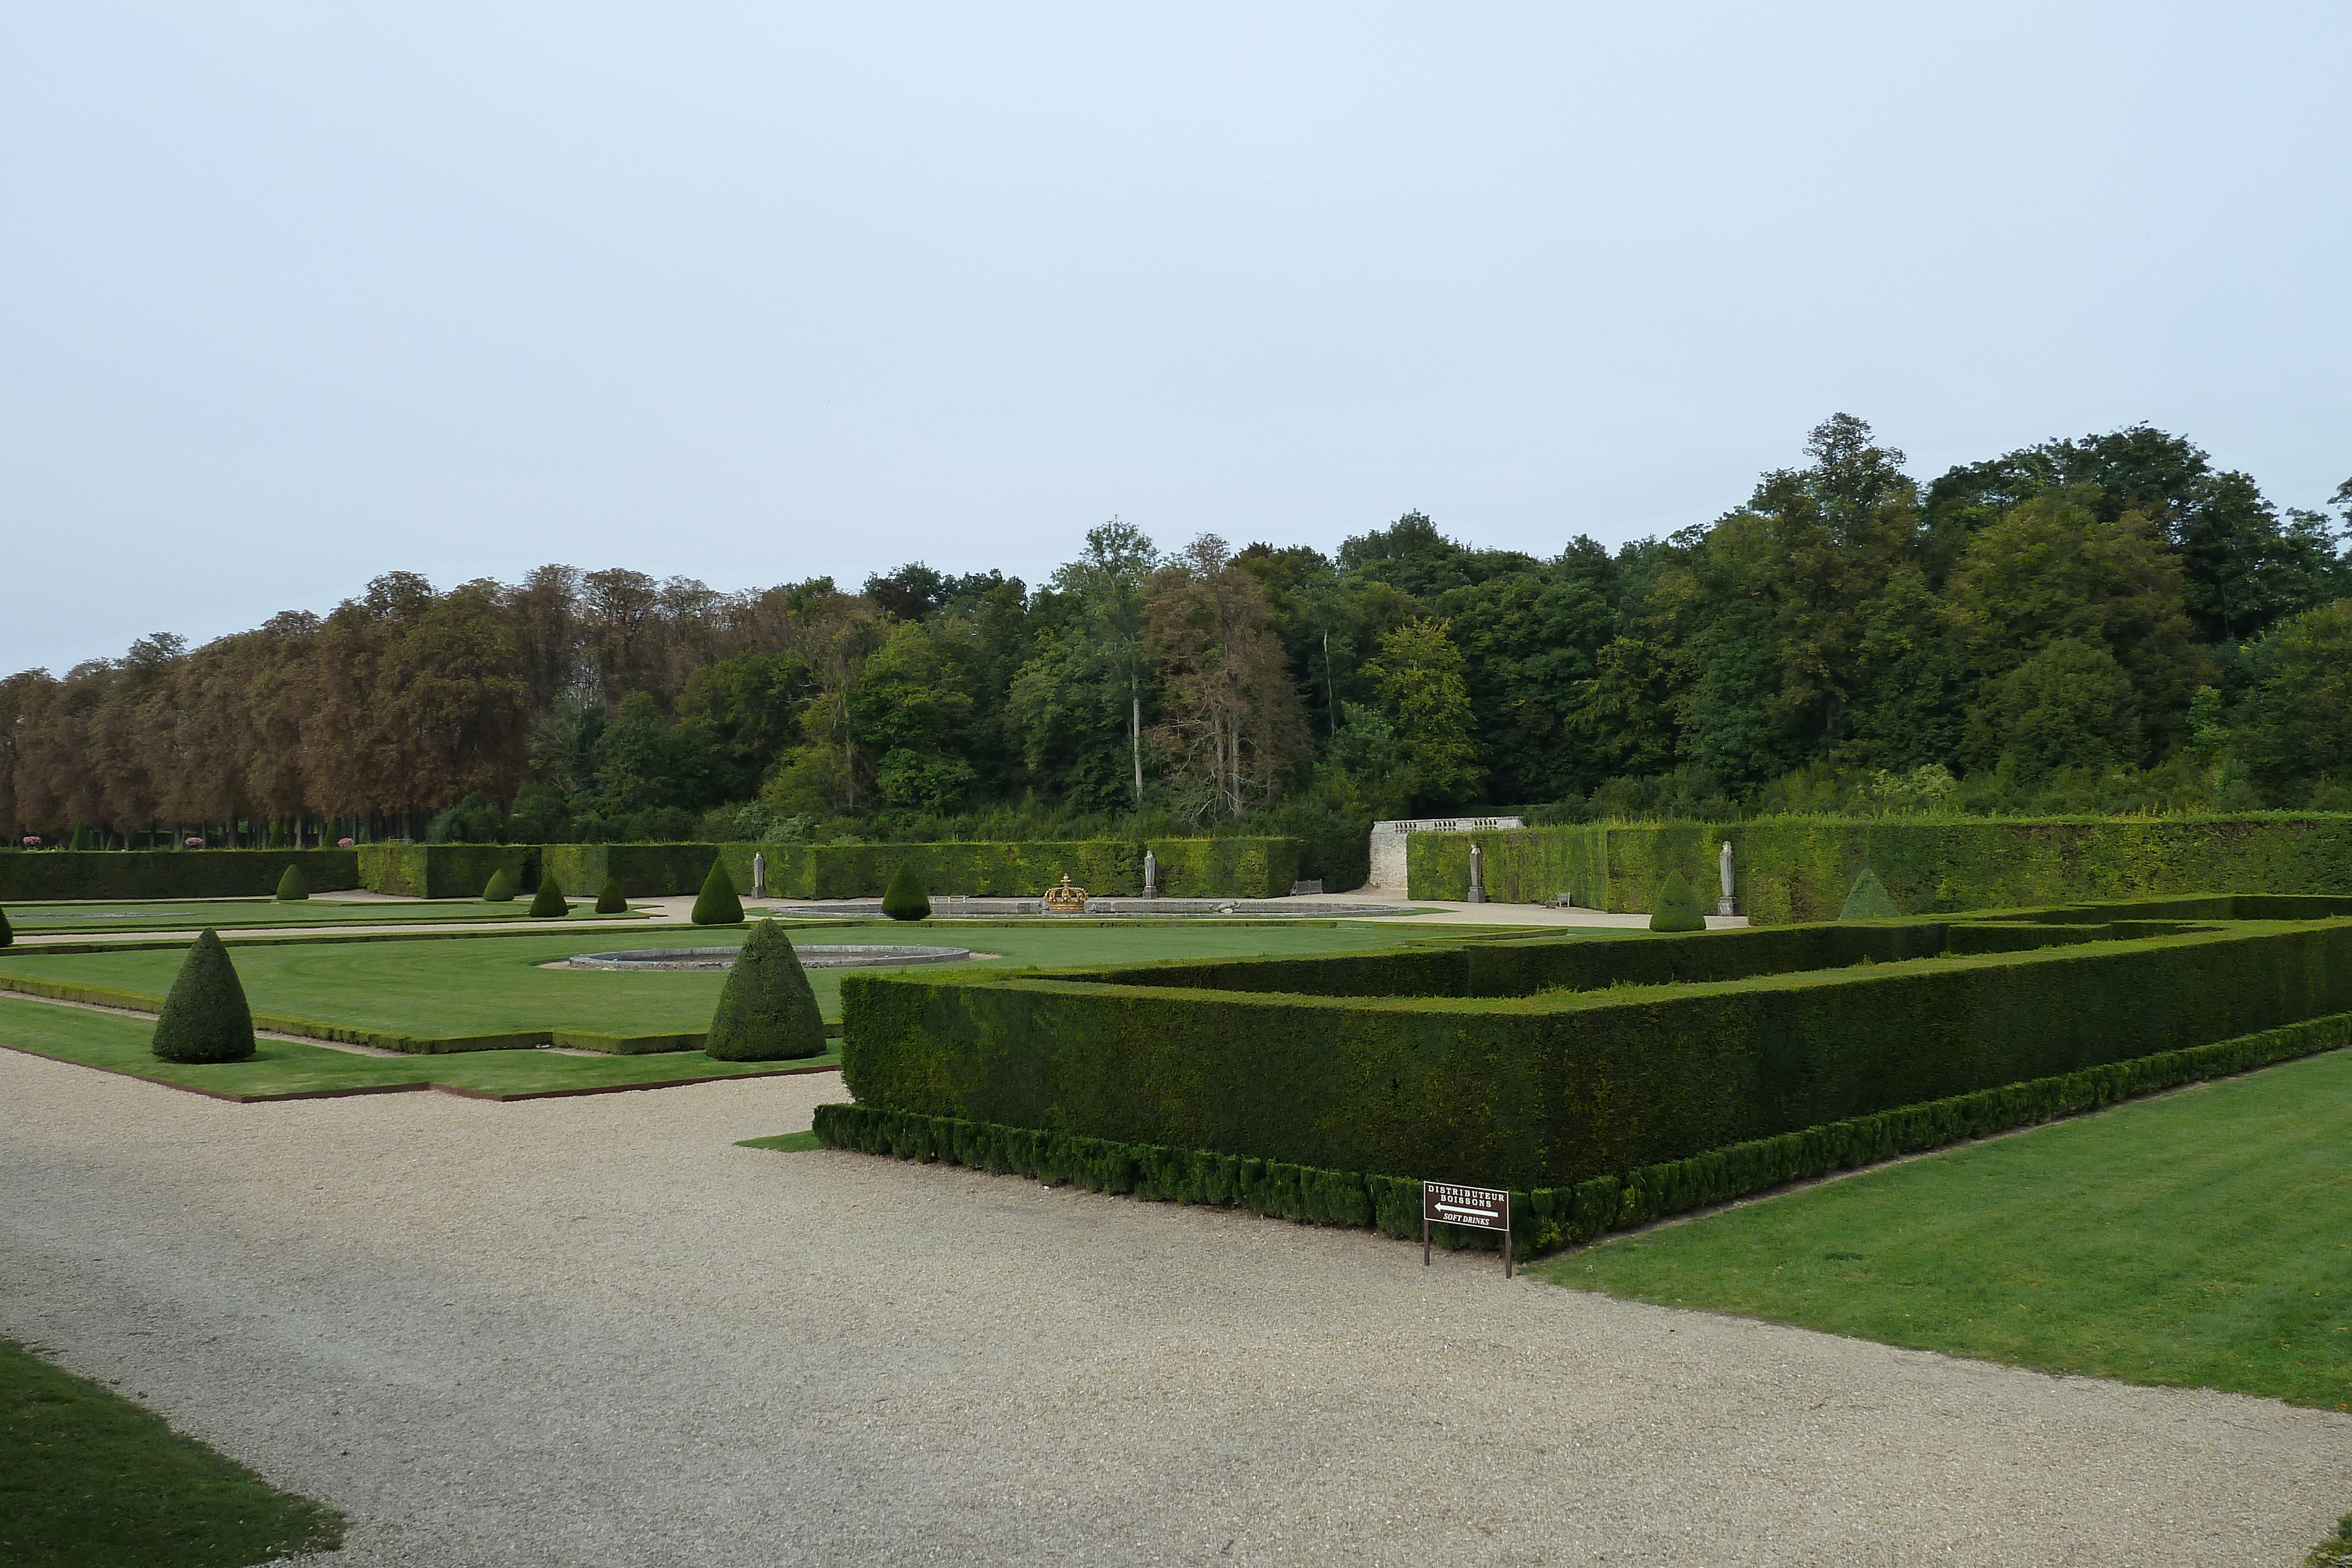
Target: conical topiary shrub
(766, 1012)
(206, 1018)
(716, 904)
(904, 898)
(7, 936)
(610, 899)
(1677, 906)
(500, 888)
(293, 887)
(1869, 900)
(548, 903)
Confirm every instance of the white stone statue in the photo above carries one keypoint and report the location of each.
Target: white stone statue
(1478, 875)
(758, 874)
(1151, 874)
(1723, 866)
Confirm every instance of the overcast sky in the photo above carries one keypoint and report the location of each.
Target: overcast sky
(294, 295)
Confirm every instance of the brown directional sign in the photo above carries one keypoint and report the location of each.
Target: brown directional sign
(1478, 1207)
(1482, 1207)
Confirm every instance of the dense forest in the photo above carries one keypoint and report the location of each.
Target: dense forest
(2103, 623)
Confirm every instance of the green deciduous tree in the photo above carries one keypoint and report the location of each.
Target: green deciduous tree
(2301, 732)
(1418, 674)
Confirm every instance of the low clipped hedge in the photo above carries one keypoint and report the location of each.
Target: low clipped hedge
(30, 875)
(1543, 1218)
(1188, 868)
(1796, 869)
(1534, 1064)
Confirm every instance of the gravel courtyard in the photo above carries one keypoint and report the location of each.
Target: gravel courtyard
(591, 1331)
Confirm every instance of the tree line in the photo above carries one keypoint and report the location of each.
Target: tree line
(2098, 623)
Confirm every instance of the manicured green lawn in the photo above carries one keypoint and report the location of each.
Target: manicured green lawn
(489, 985)
(120, 1044)
(785, 1143)
(242, 914)
(2197, 1240)
(90, 1480)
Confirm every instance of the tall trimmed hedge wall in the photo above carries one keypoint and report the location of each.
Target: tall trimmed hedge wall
(1561, 1086)
(1188, 868)
(643, 870)
(1793, 869)
(444, 871)
(33, 875)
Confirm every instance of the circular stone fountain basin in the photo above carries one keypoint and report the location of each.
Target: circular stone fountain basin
(811, 958)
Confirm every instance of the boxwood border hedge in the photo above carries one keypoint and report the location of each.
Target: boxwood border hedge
(1546, 1218)
(1548, 1063)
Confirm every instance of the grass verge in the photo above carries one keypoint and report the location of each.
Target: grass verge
(89, 1480)
(788, 1142)
(286, 1069)
(2198, 1240)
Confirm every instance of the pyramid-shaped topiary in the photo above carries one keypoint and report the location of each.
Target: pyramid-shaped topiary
(7, 936)
(904, 898)
(500, 888)
(1869, 900)
(206, 1018)
(548, 903)
(767, 1012)
(1677, 906)
(293, 887)
(716, 904)
(610, 899)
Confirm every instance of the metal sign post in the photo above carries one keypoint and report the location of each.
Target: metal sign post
(1473, 1208)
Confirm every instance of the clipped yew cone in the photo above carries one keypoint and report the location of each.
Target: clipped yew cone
(206, 1018)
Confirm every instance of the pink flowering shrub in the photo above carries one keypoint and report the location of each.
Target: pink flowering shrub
(194, 842)
(32, 840)
(343, 843)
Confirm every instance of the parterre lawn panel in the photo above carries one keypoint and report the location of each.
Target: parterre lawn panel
(286, 1069)
(486, 985)
(1497, 1072)
(125, 915)
(88, 1479)
(2196, 1240)
(1798, 869)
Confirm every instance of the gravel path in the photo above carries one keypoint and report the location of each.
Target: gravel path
(590, 1331)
